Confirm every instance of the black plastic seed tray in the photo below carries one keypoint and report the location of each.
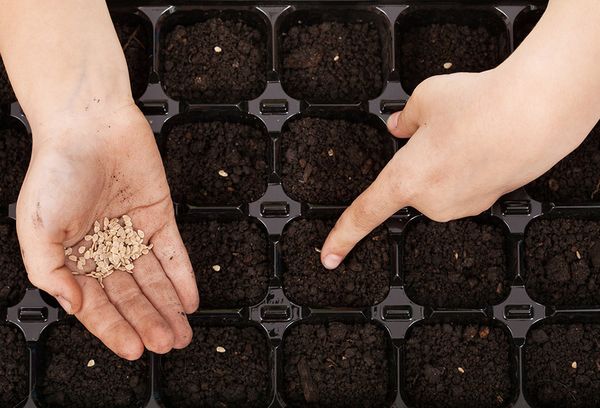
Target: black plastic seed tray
(406, 317)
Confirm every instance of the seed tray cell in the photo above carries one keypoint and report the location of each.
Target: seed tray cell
(14, 367)
(13, 280)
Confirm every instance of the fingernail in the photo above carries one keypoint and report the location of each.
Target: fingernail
(65, 304)
(332, 261)
(392, 122)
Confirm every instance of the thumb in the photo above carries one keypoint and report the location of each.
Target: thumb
(406, 122)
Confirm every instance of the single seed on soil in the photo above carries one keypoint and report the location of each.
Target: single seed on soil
(461, 370)
(578, 254)
(216, 268)
(330, 152)
(91, 363)
(218, 49)
(574, 365)
(220, 349)
(336, 58)
(456, 255)
(223, 173)
(447, 65)
(484, 332)
(318, 250)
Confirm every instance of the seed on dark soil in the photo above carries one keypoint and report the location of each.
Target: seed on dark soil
(230, 260)
(200, 376)
(459, 264)
(7, 94)
(329, 161)
(363, 278)
(15, 151)
(575, 179)
(13, 278)
(555, 274)
(312, 72)
(336, 365)
(66, 380)
(136, 44)
(196, 153)
(425, 48)
(445, 367)
(562, 365)
(194, 70)
(14, 363)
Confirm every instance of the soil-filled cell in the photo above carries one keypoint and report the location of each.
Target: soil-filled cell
(7, 94)
(460, 264)
(456, 366)
(441, 42)
(222, 367)
(332, 61)
(216, 163)
(136, 43)
(78, 371)
(362, 279)
(14, 366)
(562, 366)
(575, 179)
(13, 278)
(562, 258)
(337, 365)
(331, 161)
(15, 152)
(230, 260)
(219, 60)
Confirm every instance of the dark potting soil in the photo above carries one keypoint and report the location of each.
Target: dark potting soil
(13, 278)
(15, 152)
(14, 366)
(425, 49)
(216, 163)
(7, 95)
(222, 367)
(137, 49)
(562, 258)
(332, 61)
(456, 366)
(575, 179)
(328, 161)
(336, 365)
(66, 381)
(458, 264)
(230, 260)
(215, 61)
(363, 278)
(562, 366)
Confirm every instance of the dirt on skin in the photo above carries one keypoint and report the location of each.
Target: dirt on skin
(14, 366)
(13, 278)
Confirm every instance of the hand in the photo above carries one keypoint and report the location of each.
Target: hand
(100, 165)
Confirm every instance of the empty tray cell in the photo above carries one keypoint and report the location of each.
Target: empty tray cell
(459, 264)
(135, 36)
(217, 162)
(575, 179)
(214, 56)
(363, 278)
(562, 261)
(222, 367)
(13, 277)
(459, 365)
(525, 22)
(230, 260)
(77, 370)
(331, 161)
(15, 152)
(14, 367)
(333, 57)
(337, 365)
(438, 41)
(7, 94)
(562, 365)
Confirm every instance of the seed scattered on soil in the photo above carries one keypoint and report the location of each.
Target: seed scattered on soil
(461, 370)
(336, 58)
(220, 349)
(218, 49)
(91, 363)
(447, 65)
(330, 152)
(115, 246)
(574, 365)
(216, 268)
(578, 254)
(223, 173)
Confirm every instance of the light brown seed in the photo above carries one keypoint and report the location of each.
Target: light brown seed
(87, 238)
(447, 65)
(461, 370)
(73, 258)
(218, 49)
(91, 363)
(216, 268)
(220, 349)
(574, 365)
(223, 173)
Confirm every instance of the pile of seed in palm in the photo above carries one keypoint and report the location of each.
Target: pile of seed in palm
(113, 247)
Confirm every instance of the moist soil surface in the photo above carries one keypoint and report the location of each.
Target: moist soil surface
(15, 152)
(230, 260)
(222, 367)
(137, 48)
(215, 61)
(13, 278)
(562, 261)
(575, 179)
(363, 278)
(456, 366)
(66, 381)
(425, 49)
(336, 365)
(329, 161)
(459, 264)
(562, 366)
(216, 163)
(332, 62)
(14, 367)
(7, 94)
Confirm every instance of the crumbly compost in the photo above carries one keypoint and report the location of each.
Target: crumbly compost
(13, 278)
(14, 364)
